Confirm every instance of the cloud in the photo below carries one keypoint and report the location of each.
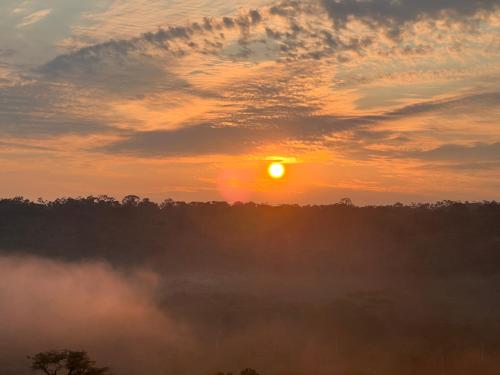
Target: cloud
(209, 138)
(460, 103)
(11, 145)
(467, 167)
(115, 71)
(35, 17)
(143, 64)
(487, 152)
(42, 109)
(197, 139)
(7, 52)
(302, 33)
(255, 126)
(47, 304)
(178, 40)
(239, 37)
(393, 14)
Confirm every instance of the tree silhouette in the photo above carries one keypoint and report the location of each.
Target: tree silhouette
(48, 362)
(249, 371)
(346, 202)
(131, 200)
(73, 362)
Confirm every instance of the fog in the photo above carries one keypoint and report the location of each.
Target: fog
(47, 304)
(141, 322)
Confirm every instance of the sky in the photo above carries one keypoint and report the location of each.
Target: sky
(377, 100)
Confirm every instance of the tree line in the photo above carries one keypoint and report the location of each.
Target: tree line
(443, 237)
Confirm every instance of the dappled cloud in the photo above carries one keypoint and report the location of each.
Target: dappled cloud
(373, 85)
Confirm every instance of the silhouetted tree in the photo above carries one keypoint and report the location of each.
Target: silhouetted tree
(73, 362)
(48, 362)
(131, 200)
(249, 371)
(346, 202)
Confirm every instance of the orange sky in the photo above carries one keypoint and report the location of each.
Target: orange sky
(384, 102)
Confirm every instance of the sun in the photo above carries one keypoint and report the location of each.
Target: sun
(276, 170)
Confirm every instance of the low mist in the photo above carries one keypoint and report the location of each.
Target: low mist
(47, 304)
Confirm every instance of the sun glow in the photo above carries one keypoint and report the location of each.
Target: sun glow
(276, 170)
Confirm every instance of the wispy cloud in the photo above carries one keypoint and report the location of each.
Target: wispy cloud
(33, 18)
(212, 138)
(477, 152)
(11, 145)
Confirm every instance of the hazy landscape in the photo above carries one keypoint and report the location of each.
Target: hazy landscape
(205, 287)
(257, 187)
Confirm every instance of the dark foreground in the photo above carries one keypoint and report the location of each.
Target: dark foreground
(204, 287)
